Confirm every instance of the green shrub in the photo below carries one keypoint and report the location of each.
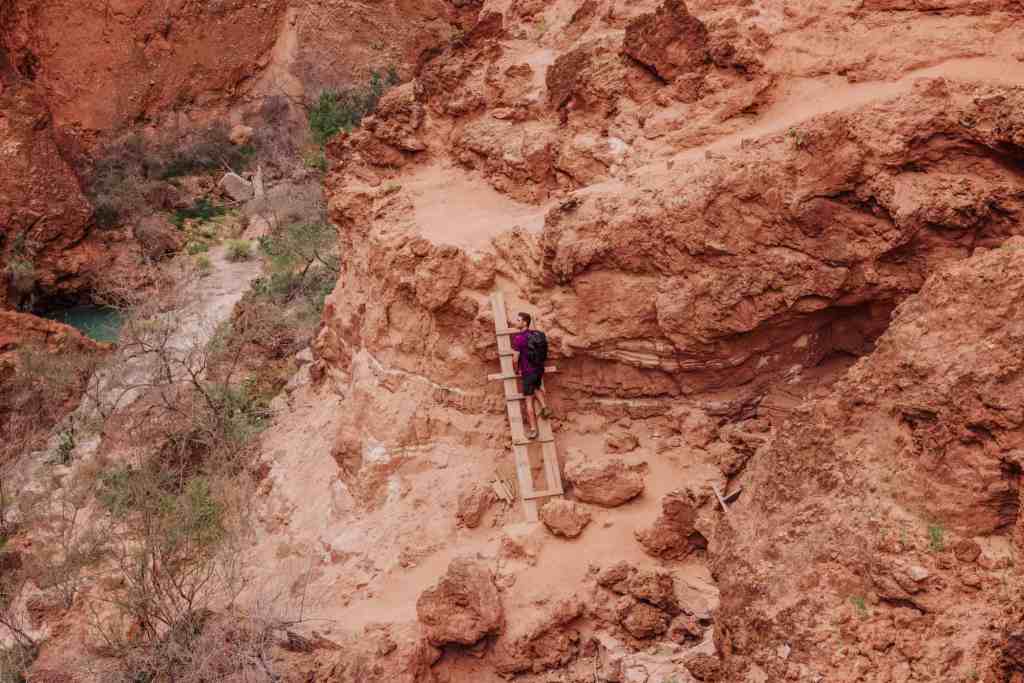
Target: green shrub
(337, 110)
(239, 250)
(202, 209)
(211, 150)
(203, 265)
(194, 248)
(106, 214)
(936, 538)
(303, 263)
(315, 160)
(116, 490)
(65, 447)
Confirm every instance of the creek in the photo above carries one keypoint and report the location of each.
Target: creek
(100, 323)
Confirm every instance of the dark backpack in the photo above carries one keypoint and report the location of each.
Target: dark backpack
(536, 349)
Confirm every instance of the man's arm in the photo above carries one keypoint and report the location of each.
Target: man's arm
(515, 351)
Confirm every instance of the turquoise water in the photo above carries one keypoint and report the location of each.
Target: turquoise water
(98, 322)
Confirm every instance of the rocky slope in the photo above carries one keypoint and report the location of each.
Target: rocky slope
(713, 209)
(881, 531)
(703, 205)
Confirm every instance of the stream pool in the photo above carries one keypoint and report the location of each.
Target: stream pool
(101, 323)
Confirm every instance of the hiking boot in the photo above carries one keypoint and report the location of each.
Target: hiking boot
(531, 434)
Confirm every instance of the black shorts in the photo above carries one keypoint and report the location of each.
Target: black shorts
(531, 382)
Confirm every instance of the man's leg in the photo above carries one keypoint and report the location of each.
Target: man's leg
(531, 418)
(542, 396)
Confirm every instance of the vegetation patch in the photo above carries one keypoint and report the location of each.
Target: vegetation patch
(201, 210)
(344, 109)
(134, 173)
(239, 250)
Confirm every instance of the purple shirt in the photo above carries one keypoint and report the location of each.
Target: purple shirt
(519, 344)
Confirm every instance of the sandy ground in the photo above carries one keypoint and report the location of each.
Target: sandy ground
(457, 207)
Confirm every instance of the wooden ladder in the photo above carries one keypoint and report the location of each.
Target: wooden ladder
(513, 405)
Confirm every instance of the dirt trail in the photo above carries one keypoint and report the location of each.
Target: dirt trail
(803, 99)
(458, 207)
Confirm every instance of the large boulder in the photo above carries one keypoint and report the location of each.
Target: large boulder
(548, 641)
(236, 187)
(397, 119)
(656, 587)
(673, 536)
(463, 607)
(608, 483)
(642, 620)
(564, 518)
(671, 41)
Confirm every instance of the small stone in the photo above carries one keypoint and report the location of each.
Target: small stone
(970, 578)
(635, 674)
(967, 551)
(918, 573)
(621, 441)
(240, 135)
(703, 667)
(614, 577)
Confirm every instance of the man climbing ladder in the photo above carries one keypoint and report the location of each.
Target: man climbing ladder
(513, 406)
(531, 347)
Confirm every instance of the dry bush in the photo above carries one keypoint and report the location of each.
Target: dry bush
(65, 545)
(37, 392)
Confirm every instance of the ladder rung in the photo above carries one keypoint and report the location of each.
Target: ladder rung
(515, 397)
(506, 355)
(527, 443)
(542, 494)
(506, 332)
(547, 370)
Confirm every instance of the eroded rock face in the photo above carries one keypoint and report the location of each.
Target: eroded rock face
(44, 217)
(921, 430)
(18, 330)
(671, 41)
(606, 482)
(389, 654)
(474, 501)
(188, 51)
(463, 607)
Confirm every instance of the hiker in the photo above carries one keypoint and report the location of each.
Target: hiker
(531, 347)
